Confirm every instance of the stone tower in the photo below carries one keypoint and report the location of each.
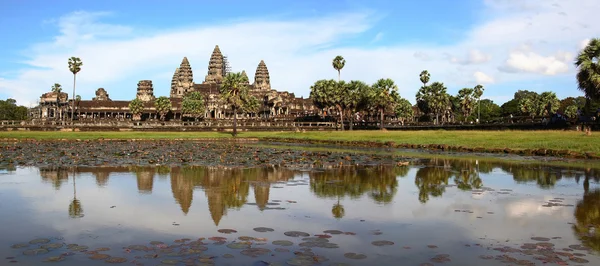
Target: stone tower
(215, 67)
(247, 79)
(261, 78)
(145, 91)
(183, 80)
(101, 95)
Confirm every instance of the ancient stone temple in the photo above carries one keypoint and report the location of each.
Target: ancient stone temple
(145, 91)
(101, 95)
(246, 75)
(262, 80)
(215, 67)
(183, 80)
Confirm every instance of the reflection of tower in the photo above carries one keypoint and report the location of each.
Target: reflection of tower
(55, 176)
(101, 178)
(183, 189)
(216, 206)
(261, 195)
(145, 181)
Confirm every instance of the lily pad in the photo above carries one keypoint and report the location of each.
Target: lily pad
(35, 251)
(226, 231)
(99, 257)
(282, 250)
(39, 241)
(263, 229)
(246, 238)
(355, 256)
(315, 239)
(282, 243)
(541, 239)
(102, 249)
(78, 248)
(20, 245)
(296, 234)
(301, 261)
(116, 260)
(323, 236)
(579, 247)
(380, 243)
(52, 246)
(170, 261)
(138, 247)
(217, 238)
(255, 252)
(333, 232)
(238, 245)
(155, 243)
(578, 260)
(54, 259)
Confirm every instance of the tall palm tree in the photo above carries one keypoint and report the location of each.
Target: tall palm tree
(384, 95)
(424, 77)
(74, 66)
(234, 91)
(338, 63)
(477, 92)
(75, 208)
(57, 88)
(588, 76)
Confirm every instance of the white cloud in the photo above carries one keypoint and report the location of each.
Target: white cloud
(482, 78)
(531, 62)
(473, 57)
(377, 37)
(297, 52)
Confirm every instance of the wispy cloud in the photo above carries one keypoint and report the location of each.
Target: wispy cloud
(299, 51)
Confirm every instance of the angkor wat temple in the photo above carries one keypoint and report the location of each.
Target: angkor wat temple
(275, 104)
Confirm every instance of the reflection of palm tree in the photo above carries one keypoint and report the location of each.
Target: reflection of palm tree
(431, 181)
(587, 214)
(75, 208)
(338, 210)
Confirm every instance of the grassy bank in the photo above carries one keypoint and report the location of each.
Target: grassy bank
(515, 140)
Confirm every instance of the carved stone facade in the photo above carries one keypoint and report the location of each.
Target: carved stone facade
(101, 95)
(145, 91)
(262, 81)
(215, 67)
(183, 80)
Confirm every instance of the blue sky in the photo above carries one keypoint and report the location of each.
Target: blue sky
(506, 45)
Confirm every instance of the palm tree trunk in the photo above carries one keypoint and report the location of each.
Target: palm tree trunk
(73, 108)
(351, 119)
(339, 76)
(234, 121)
(381, 115)
(341, 117)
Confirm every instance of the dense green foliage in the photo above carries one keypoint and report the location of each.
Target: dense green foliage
(136, 107)
(9, 110)
(588, 76)
(193, 105)
(163, 106)
(234, 91)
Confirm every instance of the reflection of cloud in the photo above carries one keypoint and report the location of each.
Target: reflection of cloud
(529, 207)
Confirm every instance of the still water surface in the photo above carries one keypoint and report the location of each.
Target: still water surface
(442, 212)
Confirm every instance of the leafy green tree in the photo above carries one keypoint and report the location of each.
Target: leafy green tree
(511, 108)
(571, 111)
(477, 92)
(549, 103)
(466, 100)
(330, 94)
(193, 105)
(338, 63)
(9, 110)
(234, 91)
(403, 110)
(384, 95)
(74, 66)
(163, 106)
(136, 107)
(588, 75)
(566, 102)
(489, 110)
(78, 98)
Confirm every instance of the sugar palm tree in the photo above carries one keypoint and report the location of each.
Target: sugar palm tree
(57, 88)
(338, 210)
(234, 91)
(588, 76)
(163, 106)
(424, 77)
(338, 63)
(74, 66)
(136, 107)
(384, 95)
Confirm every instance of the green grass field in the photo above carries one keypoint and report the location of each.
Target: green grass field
(558, 140)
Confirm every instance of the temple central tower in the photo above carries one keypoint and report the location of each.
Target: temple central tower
(215, 67)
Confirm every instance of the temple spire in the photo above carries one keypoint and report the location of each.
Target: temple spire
(215, 67)
(262, 81)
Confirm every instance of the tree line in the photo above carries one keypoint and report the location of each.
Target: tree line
(9, 110)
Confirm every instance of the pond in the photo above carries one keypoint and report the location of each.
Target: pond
(433, 212)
